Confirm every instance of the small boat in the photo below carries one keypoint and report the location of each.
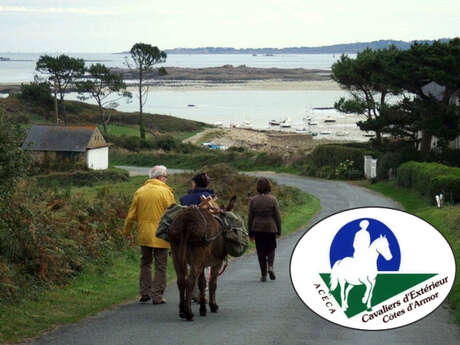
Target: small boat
(302, 130)
(244, 125)
(218, 124)
(312, 123)
(368, 135)
(329, 120)
(4, 58)
(285, 124)
(274, 123)
(191, 105)
(325, 132)
(313, 134)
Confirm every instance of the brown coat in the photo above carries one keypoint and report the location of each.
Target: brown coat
(264, 215)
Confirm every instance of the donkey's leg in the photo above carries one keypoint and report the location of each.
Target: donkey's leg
(202, 288)
(194, 272)
(181, 273)
(212, 287)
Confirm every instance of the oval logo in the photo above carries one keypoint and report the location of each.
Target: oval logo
(372, 268)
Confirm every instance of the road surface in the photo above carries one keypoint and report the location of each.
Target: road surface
(252, 312)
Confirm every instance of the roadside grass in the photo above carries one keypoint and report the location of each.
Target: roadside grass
(446, 220)
(104, 285)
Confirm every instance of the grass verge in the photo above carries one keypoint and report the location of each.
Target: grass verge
(446, 220)
(102, 286)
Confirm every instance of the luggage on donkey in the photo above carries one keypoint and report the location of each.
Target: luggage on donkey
(235, 234)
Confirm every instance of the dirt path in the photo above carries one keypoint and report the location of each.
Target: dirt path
(252, 312)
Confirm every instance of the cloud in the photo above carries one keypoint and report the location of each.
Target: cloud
(57, 10)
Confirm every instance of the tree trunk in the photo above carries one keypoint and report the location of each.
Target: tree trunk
(141, 119)
(56, 103)
(425, 142)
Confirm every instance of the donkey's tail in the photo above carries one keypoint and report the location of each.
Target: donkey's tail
(333, 280)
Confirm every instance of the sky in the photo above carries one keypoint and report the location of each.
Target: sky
(115, 25)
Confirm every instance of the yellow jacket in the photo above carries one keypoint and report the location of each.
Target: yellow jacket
(149, 203)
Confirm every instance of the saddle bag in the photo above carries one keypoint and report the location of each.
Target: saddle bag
(235, 234)
(166, 220)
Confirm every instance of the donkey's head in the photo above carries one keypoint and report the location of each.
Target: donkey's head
(231, 203)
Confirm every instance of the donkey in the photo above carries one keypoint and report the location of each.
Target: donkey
(197, 241)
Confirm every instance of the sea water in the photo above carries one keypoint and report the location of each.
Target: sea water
(229, 107)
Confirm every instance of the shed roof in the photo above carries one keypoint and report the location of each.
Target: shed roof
(58, 138)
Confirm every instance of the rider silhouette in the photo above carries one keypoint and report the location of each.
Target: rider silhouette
(362, 240)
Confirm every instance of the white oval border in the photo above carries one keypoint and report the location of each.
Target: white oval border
(315, 260)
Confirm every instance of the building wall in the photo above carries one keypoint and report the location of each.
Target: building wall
(97, 159)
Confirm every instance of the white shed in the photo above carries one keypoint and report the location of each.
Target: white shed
(83, 146)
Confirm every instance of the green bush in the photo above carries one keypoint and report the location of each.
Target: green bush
(448, 185)
(37, 93)
(429, 178)
(325, 159)
(81, 178)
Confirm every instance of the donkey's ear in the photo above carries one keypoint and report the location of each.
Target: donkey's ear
(231, 203)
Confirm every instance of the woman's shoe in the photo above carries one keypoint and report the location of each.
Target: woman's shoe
(271, 273)
(263, 278)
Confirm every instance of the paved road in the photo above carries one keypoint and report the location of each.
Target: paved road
(252, 312)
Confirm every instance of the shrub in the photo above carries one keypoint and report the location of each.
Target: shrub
(325, 159)
(429, 178)
(38, 93)
(448, 185)
(81, 178)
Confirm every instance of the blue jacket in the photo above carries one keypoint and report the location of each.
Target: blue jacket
(193, 196)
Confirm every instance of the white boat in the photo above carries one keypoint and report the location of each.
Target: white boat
(368, 135)
(244, 125)
(218, 124)
(302, 130)
(312, 123)
(329, 120)
(325, 132)
(285, 123)
(274, 123)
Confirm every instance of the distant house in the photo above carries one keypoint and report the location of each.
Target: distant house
(437, 91)
(77, 146)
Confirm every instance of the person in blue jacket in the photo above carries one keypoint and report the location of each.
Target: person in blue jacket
(200, 183)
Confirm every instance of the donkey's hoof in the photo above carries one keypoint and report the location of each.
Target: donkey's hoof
(182, 315)
(214, 308)
(189, 317)
(203, 310)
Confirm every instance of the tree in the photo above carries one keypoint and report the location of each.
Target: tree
(14, 162)
(369, 84)
(63, 71)
(434, 110)
(101, 86)
(144, 57)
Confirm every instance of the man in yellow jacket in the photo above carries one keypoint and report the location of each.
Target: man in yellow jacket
(148, 205)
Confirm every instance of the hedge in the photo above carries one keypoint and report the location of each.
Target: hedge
(430, 179)
(81, 178)
(325, 159)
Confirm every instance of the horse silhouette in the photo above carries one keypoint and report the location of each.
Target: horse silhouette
(359, 270)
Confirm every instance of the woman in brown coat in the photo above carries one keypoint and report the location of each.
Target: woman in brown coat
(264, 224)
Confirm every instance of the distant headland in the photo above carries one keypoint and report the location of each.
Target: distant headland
(345, 48)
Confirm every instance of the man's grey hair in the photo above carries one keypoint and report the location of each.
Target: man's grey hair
(157, 171)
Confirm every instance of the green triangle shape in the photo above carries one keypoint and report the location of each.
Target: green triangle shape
(387, 285)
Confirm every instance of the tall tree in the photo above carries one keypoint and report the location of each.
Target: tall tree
(63, 71)
(102, 86)
(431, 72)
(144, 57)
(369, 84)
